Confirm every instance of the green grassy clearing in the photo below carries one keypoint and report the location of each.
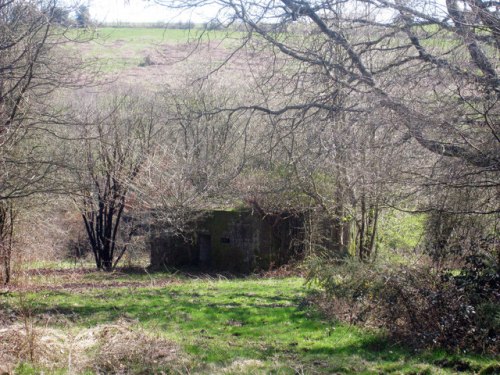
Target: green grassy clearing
(218, 323)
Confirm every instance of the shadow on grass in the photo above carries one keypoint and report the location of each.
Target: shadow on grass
(223, 326)
(220, 322)
(138, 273)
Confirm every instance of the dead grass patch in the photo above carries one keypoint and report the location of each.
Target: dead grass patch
(41, 346)
(123, 350)
(118, 348)
(244, 366)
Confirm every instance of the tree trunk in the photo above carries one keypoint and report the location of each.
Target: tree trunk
(6, 234)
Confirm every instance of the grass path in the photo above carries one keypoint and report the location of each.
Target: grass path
(234, 326)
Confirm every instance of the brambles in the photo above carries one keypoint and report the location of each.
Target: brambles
(419, 305)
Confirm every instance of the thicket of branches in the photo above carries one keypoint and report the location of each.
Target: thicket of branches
(395, 103)
(33, 65)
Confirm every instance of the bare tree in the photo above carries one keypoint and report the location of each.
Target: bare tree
(202, 153)
(433, 68)
(7, 217)
(117, 136)
(32, 66)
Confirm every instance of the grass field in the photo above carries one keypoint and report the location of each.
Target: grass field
(138, 35)
(119, 49)
(250, 325)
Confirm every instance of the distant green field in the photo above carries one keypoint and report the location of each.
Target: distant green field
(145, 36)
(119, 49)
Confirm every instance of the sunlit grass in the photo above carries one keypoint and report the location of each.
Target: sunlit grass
(221, 322)
(155, 35)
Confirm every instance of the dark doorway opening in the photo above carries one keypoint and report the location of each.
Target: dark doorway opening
(205, 243)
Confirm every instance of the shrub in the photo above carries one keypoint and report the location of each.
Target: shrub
(419, 306)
